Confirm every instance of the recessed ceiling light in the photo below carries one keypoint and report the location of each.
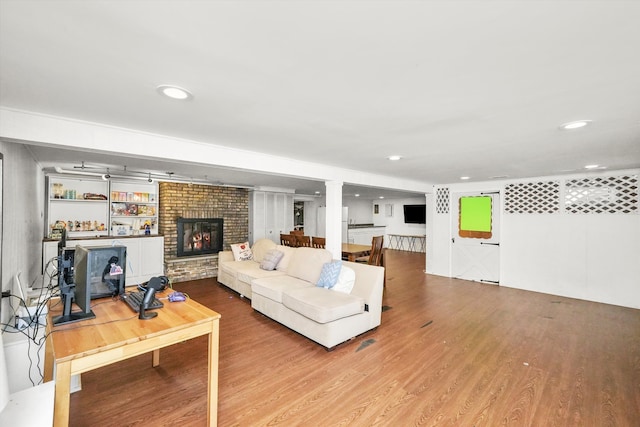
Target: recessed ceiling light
(174, 92)
(575, 124)
(394, 158)
(381, 197)
(464, 177)
(317, 192)
(356, 195)
(592, 166)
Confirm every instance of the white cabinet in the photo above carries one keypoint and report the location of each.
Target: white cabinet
(364, 236)
(93, 207)
(145, 255)
(270, 214)
(91, 210)
(79, 205)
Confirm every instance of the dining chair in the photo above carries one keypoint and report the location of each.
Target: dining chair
(288, 240)
(375, 256)
(303, 241)
(318, 242)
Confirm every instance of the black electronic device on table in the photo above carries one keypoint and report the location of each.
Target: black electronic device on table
(71, 291)
(148, 300)
(134, 299)
(85, 273)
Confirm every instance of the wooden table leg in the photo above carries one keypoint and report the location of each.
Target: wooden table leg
(62, 395)
(48, 356)
(212, 391)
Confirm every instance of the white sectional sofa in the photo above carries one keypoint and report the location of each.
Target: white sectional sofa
(238, 275)
(289, 295)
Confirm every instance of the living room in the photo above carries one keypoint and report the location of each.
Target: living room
(24, 193)
(562, 230)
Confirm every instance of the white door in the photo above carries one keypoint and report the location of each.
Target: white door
(476, 237)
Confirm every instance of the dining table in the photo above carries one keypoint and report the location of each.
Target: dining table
(351, 251)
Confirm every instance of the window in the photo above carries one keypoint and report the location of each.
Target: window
(475, 217)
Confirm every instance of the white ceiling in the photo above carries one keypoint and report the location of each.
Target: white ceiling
(458, 88)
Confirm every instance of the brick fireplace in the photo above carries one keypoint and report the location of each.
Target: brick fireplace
(199, 201)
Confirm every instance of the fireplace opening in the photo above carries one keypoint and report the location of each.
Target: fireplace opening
(199, 236)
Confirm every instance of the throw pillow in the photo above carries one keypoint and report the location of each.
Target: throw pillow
(329, 274)
(261, 247)
(346, 280)
(241, 251)
(271, 259)
(288, 251)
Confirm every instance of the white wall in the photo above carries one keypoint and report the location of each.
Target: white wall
(395, 224)
(311, 216)
(589, 256)
(360, 211)
(23, 216)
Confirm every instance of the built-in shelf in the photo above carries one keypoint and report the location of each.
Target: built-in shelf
(89, 207)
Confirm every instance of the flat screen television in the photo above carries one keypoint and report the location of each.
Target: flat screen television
(415, 214)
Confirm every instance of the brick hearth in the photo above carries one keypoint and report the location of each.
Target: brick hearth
(199, 201)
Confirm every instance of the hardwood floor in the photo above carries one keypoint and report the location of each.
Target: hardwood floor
(448, 352)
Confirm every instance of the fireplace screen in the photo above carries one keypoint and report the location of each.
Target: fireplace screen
(199, 236)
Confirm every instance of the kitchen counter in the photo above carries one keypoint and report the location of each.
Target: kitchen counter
(363, 234)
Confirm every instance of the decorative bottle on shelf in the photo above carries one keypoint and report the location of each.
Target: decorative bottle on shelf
(58, 190)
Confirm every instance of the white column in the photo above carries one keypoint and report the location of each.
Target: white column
(333, 230)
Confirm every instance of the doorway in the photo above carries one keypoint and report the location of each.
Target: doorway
(298, 216)
(475, 253)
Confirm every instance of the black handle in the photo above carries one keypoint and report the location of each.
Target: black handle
(148, 297)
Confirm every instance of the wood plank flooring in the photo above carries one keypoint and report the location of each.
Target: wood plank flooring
(448, 353)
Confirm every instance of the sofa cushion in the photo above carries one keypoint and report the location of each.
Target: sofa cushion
(229, 267)
(288, 251)
(329, 274)
(346, 280)
(246, 271)
(261, 247)
(273, 287)
(322, 305)
(306, 263)
(271, 259)
(242, 251)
